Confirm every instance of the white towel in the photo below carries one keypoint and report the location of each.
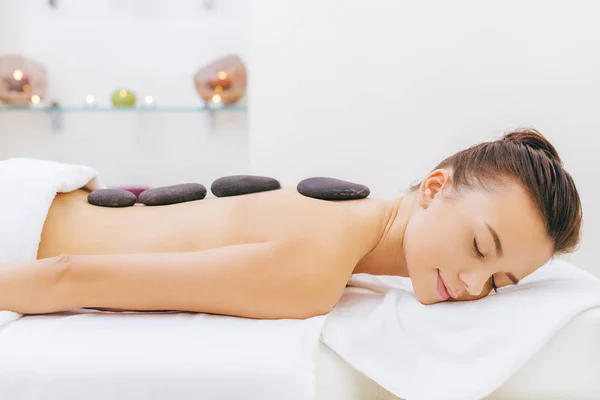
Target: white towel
(453, 351)
(28, 188)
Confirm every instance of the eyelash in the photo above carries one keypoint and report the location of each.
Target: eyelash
(480, 255)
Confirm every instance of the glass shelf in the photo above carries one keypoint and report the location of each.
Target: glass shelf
(144, 109)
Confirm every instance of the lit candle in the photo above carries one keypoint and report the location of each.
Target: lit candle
(18, 82)
(35, 100)
(223, 82)
(90, 100)
(149, 100)
(18, 75)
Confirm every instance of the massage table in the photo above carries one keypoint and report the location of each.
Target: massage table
(65, 353)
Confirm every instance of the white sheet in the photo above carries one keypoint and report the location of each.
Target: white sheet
(567, 367)
(337, 380)
(100, 355)
(450, 351)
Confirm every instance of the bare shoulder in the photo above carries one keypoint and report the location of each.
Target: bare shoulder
(339, 231)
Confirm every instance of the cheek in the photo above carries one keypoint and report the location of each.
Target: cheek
(426, 246)
(430, 244)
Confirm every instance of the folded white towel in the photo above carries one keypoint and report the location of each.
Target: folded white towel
(28, 189)
(453, 351)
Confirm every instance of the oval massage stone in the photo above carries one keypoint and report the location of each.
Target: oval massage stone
(236, 185)
(112, 198)
(173, 194)
(332, 189)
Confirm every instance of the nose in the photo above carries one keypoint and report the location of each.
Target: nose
(474, 280)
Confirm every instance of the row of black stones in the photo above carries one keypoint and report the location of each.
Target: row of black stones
(236, 185)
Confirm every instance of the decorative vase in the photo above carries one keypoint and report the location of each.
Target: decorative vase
(21, 79)
(123, 98)
(222, 81)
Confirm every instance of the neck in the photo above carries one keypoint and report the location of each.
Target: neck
(387, 257)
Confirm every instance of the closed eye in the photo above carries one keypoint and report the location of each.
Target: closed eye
(476, 248)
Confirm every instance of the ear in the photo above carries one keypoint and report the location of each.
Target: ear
(437, 181)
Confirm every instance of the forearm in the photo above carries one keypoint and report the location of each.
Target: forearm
(152, 281)
(258, 280)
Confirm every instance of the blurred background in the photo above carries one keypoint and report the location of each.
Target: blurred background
(375, 92)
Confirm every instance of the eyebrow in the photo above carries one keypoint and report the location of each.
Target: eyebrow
(496, 240)
(499, 252)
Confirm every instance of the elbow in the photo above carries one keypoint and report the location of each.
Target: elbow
(305, 312)
(59, 282)
(43, 289)
(62, 264)
(51, 272)
(322, 309)
(323, 298)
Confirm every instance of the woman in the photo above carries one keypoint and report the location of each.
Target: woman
(484, 218)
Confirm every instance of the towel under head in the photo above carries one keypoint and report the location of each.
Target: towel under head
(453, 350)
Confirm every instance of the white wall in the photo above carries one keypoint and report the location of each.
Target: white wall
(149, 46)
(378, 92)
(10, 26)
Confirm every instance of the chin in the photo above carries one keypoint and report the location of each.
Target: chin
(422, 295)
(428, 302)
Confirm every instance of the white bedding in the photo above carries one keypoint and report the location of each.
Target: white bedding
(566, 368)
(68, 356)
(100, 355)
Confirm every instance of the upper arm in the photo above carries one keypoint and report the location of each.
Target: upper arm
(257, 280)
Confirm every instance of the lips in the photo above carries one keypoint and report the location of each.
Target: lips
(442, 289)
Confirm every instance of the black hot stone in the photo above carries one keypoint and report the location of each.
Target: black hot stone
(332, 189)
(112, 198)
(173, 194)
(236, 185)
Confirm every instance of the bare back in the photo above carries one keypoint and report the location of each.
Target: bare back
(75, 227)
(274, 254)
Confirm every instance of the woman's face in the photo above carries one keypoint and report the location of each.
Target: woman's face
(457, 244)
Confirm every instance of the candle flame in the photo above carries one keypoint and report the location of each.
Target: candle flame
(18, 74)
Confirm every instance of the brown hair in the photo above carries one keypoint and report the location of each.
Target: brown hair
(530, 158)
